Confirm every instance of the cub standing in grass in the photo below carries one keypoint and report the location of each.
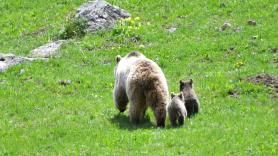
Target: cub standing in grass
(176, 109)
(191, 101)
(141, 82)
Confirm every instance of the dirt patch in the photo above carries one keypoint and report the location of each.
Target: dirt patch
(267, 80)
(37, 32)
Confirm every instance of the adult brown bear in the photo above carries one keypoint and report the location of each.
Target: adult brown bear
(141, 82)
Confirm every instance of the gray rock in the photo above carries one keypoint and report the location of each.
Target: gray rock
(64, 82)
(100, 15)
(47, 50)
(251, 22)
(9, 60)
(225, 26)
(22, 71)
(237, 29)
(171, 29)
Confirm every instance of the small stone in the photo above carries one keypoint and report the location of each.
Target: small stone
(233, 93)
(225, 26)
(171, 29)
(181, 16)
(22, 71)
(252, 22)
(136, 39)
(237, 29)
(254, 37)
(65, 82)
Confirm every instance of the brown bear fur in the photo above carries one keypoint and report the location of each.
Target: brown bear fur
(141, 82)
(176, 109)
(191, 101)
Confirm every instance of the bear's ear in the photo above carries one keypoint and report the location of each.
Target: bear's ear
(191, 82)
(118, 58)
(181, 82)
(172, 95)
(181, 95)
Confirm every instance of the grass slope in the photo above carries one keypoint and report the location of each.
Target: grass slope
(41, 117)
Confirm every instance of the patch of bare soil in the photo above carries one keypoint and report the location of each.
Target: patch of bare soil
(267, 80)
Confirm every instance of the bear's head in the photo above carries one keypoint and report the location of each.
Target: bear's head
(186, 84)
(180, 96)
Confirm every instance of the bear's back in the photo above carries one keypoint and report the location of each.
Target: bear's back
(146, 72)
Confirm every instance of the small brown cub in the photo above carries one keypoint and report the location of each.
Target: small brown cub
(176, 109)
(191, 101)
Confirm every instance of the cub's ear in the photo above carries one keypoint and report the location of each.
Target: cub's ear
(181, 95)
(191, 82)
(181, 82)
(118, 58)
(172, 95)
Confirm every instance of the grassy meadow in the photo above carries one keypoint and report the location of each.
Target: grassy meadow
(38, 116)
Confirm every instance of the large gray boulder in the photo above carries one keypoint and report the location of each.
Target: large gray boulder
(100, 15)
(9, 60)
(47, 50)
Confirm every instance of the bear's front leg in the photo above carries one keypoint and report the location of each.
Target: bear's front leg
(120, 98)
(160, 115)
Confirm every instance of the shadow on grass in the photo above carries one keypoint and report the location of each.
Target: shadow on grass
(123, 122)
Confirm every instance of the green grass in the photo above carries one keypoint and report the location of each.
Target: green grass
(41, 117)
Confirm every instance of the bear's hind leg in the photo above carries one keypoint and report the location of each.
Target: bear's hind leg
(158, 105)
(137, 107)
(137, 112)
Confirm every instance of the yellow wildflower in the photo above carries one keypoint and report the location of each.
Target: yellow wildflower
(128, 19)
(141, 46)
(137, 18)
(239, 64)
(132, 22)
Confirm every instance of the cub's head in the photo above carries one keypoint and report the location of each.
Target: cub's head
(186, 87)
(177, 96)
(186, 84)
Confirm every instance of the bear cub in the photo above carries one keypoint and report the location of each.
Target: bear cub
(176, 109)
(191, 101)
